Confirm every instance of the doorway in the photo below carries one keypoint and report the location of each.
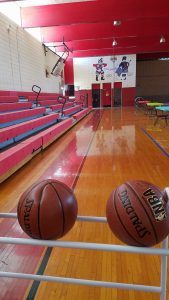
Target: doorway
(96, 95)
(117, 93)
(106, 95)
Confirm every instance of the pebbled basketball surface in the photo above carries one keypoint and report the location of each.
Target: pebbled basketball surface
(47, 209)
(137, 213)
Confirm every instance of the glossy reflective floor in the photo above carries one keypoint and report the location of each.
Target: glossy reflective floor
(102, 151)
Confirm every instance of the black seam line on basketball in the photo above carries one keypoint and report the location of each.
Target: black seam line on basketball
(69, 190)
(42, 267)
(129, 186)
(27, 194)
(63, 225)
(39, 205)
(34, 185)
(123, 224)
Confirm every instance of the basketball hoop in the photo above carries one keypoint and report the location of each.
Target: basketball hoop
(59, 66)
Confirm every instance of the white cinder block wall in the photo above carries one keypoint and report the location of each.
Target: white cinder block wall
(23, 60)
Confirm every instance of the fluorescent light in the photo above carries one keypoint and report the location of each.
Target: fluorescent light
(114, 43)
(164, 58)
(162, 39)
(116, 23)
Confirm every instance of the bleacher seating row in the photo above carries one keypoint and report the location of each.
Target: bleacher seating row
(47, 103)
(51, 103)
(11, 106)
(72, 110)
(15, 133)
(78, 116)
(8, 99)
(41, 98)
(15, 157)
(14, 106)
(14, 117)
(57, 107)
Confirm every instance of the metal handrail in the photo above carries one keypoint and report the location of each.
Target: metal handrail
(62, 100)
(36, 92)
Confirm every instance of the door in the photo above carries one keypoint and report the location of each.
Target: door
(117, 93)
(106, 95)
(96, 95)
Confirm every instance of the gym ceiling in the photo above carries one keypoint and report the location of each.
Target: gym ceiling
(88, 28)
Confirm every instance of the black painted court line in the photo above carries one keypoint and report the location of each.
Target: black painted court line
(155, 142)
(40, 271)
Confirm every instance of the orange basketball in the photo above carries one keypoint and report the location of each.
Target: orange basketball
(47, 210)
(138, 213)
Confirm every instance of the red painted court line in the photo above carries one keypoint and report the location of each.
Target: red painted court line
(66, 168)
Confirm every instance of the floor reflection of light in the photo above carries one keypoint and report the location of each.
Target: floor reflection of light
(153, 128)
(59, 172)
(49, 177)
(118, 140)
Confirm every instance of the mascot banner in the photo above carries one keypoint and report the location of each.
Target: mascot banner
(120, 68)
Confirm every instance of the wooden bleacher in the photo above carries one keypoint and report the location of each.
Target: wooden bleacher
(4, 107)
(16, 156)
(72, 110)
(51, 134)
(14, 117)
(15, 133)
(81, 114)
(8, 99)
(43, 98)
(59, 106)
(47, 103)
(25, 131)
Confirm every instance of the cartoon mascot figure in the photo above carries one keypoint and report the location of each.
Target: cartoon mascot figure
(122, 69)
(99, 69)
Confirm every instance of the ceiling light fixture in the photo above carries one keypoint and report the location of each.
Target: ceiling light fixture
(114, 43)
(116, 23)
(162, 39)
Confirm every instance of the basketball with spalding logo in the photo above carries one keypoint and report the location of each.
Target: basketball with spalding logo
(47, 209)
(138, 213)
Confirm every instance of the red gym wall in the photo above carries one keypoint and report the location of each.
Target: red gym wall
(128, 96)
(68, 71)
(83, 92)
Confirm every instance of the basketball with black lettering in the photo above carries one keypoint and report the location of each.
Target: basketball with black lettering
(47, 209)
(138, 213)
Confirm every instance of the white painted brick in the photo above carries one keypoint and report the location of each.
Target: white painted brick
(23, 61)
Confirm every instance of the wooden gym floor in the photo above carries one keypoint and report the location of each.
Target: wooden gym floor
(102, 151)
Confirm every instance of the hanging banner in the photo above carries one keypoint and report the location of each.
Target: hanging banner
(120, 68)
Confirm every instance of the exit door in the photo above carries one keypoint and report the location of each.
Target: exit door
(96, 95)
(106, 95)
(117, 93)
